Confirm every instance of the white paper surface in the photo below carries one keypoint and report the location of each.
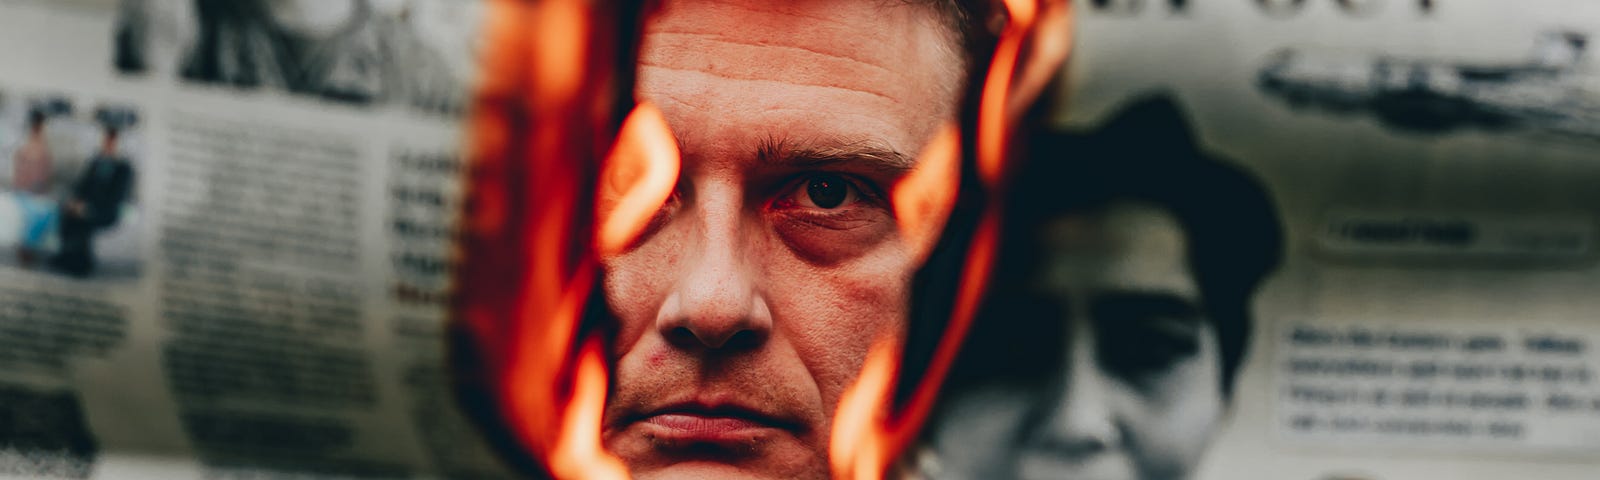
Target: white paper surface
(269, 305)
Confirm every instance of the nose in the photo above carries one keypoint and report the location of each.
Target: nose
(1084, 420)
(716, 304)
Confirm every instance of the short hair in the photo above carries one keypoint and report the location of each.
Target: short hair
(964, 18)
(112, 133)
(1147, 155)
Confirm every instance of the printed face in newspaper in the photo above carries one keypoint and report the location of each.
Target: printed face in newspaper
(749, 304)
(1119, 314)
(1136, 390)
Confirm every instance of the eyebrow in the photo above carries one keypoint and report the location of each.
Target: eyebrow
(871, 155)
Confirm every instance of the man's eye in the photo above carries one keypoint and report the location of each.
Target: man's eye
(828, 217)
(826, 191)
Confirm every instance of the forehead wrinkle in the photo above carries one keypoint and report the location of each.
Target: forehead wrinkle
(661, 98)
(865, 117)
(798, 13)
(763, 79)
(928, 9)
(723, 37)
(841, 70)
(900, 55)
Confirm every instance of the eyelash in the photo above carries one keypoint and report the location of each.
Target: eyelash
(868, 190)
(1150, 361)
(869, 196)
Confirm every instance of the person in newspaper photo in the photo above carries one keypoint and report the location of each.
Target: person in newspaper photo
(94, 203)
(1119, 312)
(749, 304)
(356, 52)
(31, 168)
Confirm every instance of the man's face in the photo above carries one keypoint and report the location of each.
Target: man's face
(749, 303)
(1137, 392)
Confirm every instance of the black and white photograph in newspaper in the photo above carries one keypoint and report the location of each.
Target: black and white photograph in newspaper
(1120, 310)
(416, 53)
(68, 198)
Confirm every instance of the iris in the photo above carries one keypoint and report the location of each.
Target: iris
(827, 191)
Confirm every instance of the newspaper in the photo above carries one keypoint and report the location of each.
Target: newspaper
(256, 275)
(258, 286)
(1431, 161)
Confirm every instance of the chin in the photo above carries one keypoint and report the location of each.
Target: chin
(654, 458)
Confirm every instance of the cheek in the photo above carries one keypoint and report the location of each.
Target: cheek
(976, 432)
(836, 240)
(636, 283)
(831, 315)
(1175, 423)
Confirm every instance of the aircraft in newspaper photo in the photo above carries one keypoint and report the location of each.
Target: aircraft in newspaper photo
(1550, 91)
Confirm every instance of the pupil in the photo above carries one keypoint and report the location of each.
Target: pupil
(827, 191)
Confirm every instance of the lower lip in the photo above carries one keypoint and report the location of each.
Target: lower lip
(710, 429)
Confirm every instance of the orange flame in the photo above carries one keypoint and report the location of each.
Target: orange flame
(577, 453)
(542, 118)
(993, 122)
(923, 199)
(638, 177)
(564, 24)
(857, 452)
(866, 439)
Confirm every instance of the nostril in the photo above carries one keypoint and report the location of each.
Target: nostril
(743, 340)
(688, 338)
(683, 337)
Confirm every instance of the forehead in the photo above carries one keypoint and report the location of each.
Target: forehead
(1127, 246)
(730, 73)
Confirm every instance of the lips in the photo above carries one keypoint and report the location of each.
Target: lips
(704, 423)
